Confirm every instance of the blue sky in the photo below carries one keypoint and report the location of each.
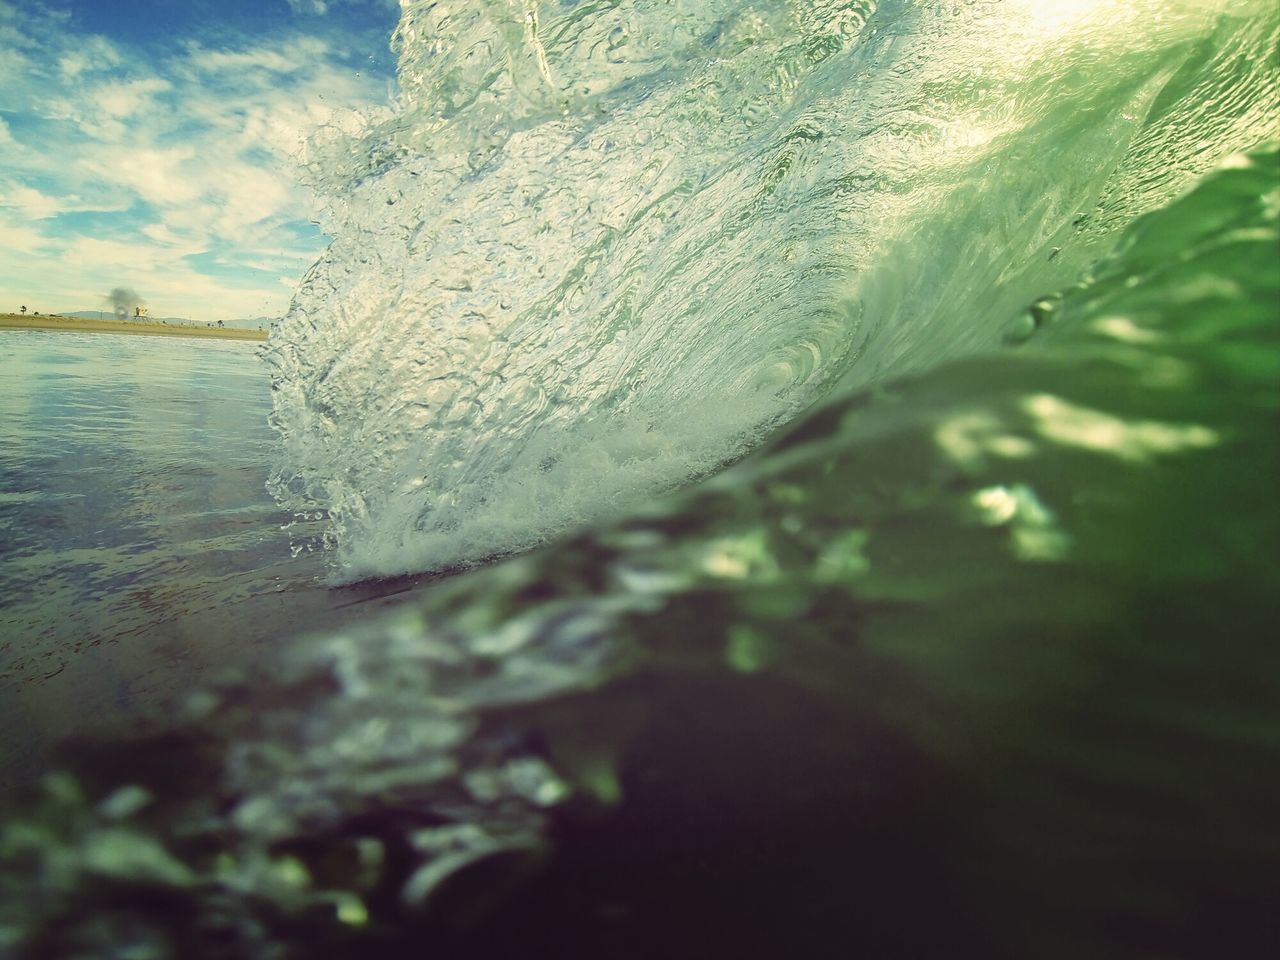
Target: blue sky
(155, 145)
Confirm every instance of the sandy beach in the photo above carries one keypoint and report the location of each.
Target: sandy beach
(10, 321)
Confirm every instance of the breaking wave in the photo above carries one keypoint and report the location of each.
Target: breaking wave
(598, 250)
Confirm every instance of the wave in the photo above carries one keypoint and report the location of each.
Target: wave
(598, 250)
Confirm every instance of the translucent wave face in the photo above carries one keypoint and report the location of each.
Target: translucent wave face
(599, 249)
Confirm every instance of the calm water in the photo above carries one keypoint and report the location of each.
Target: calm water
(139, 549)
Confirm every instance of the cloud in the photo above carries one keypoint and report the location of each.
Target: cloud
(91, 54)
(155, 175)
(250, 66)
(54, 274)
(130, 97)
(16, 69)
(16, 236)
(176, 172)
(103, 110)
(303, 7)
(32, 204)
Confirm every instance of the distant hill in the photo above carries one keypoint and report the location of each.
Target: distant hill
(255, 323)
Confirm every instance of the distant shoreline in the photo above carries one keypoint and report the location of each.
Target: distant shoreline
(14, 321)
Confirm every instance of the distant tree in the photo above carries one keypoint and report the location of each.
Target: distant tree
(24, 309)
(219, 324)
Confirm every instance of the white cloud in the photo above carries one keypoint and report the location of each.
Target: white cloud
(22, 239)
(50, 275)
(155, 175)
(299, 54)
(15, 70)
(183, 169)
(316, 7)
(93, 53)
(321, 7)
(128, 98)
(32, 204)
(116, 255)
(109, 110)
(163, 236)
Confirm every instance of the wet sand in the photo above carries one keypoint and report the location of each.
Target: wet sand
(9, 321)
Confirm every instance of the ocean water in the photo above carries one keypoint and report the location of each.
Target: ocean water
(806, 473)
(139, 548)
(124, 540)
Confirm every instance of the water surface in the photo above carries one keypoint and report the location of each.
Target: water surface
(140, 553)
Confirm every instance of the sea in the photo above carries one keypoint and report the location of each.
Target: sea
(134, 517)
(753, 480)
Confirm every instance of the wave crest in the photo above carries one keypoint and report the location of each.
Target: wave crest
(599, 249)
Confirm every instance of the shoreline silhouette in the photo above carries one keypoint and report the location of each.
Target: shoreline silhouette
(15, 321)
